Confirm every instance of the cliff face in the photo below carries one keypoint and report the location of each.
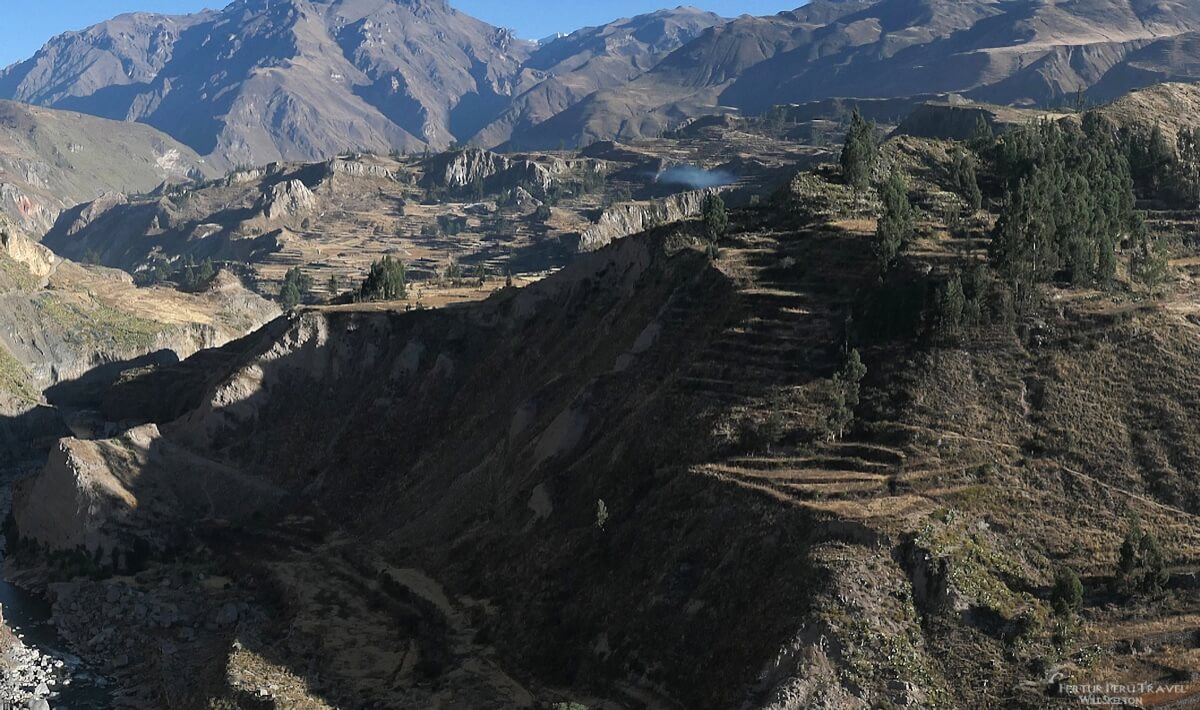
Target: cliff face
(626, 219)
(460, 170)
(67, 331)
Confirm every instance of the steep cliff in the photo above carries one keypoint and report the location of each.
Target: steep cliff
(622, 220)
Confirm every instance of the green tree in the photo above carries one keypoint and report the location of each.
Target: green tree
(952, 304)
(1149, 264)
(859, 152)
(895, 229)
(716, 217)
(982, 136)
(296, 285)
(289, 296)
(333, 285)
(1067, 595)
(965, 182)
(195, 276)
(1141, 565)
(845, 391)
(386, 281)
(1188, 182)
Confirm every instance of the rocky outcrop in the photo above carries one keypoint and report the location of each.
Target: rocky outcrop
(521, 199)
(358, 168)
(32, 211)
(630, 218)
(127, 493)
(79, 500)
(288, 199)
(39, 260)
(460, 170)
(457, 170)
(90, 212)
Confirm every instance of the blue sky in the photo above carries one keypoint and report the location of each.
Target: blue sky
(533, 19)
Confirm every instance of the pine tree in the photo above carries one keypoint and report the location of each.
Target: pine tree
(952, 303)
(289, 296)
(716, 217)
(966, 184)
(296, 285)
(1141, 565)
(1067, 595)
(1188, 182)
(1149, 264)
(983, 136)
(895, 228)
(386, 281)
(859, 152)
(845, 392)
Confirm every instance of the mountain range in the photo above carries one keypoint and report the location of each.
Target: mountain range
(265, 80)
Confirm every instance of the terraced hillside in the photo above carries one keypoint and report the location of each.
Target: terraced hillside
(447, 216)
(622, 486)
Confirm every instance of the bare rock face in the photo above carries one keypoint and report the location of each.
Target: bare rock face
(460, 170)
(358, 168)
(35, 257)
(631, 218)
(79, 495)
(288, 199)
(94, 210)
(521, 199)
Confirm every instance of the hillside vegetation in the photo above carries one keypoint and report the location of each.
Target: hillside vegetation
(853, 446)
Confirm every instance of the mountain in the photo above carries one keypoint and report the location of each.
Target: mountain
(262, 81)
(51, 160)
(1002, 51)
(619, 487)
(265, 80)
(592, 59)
